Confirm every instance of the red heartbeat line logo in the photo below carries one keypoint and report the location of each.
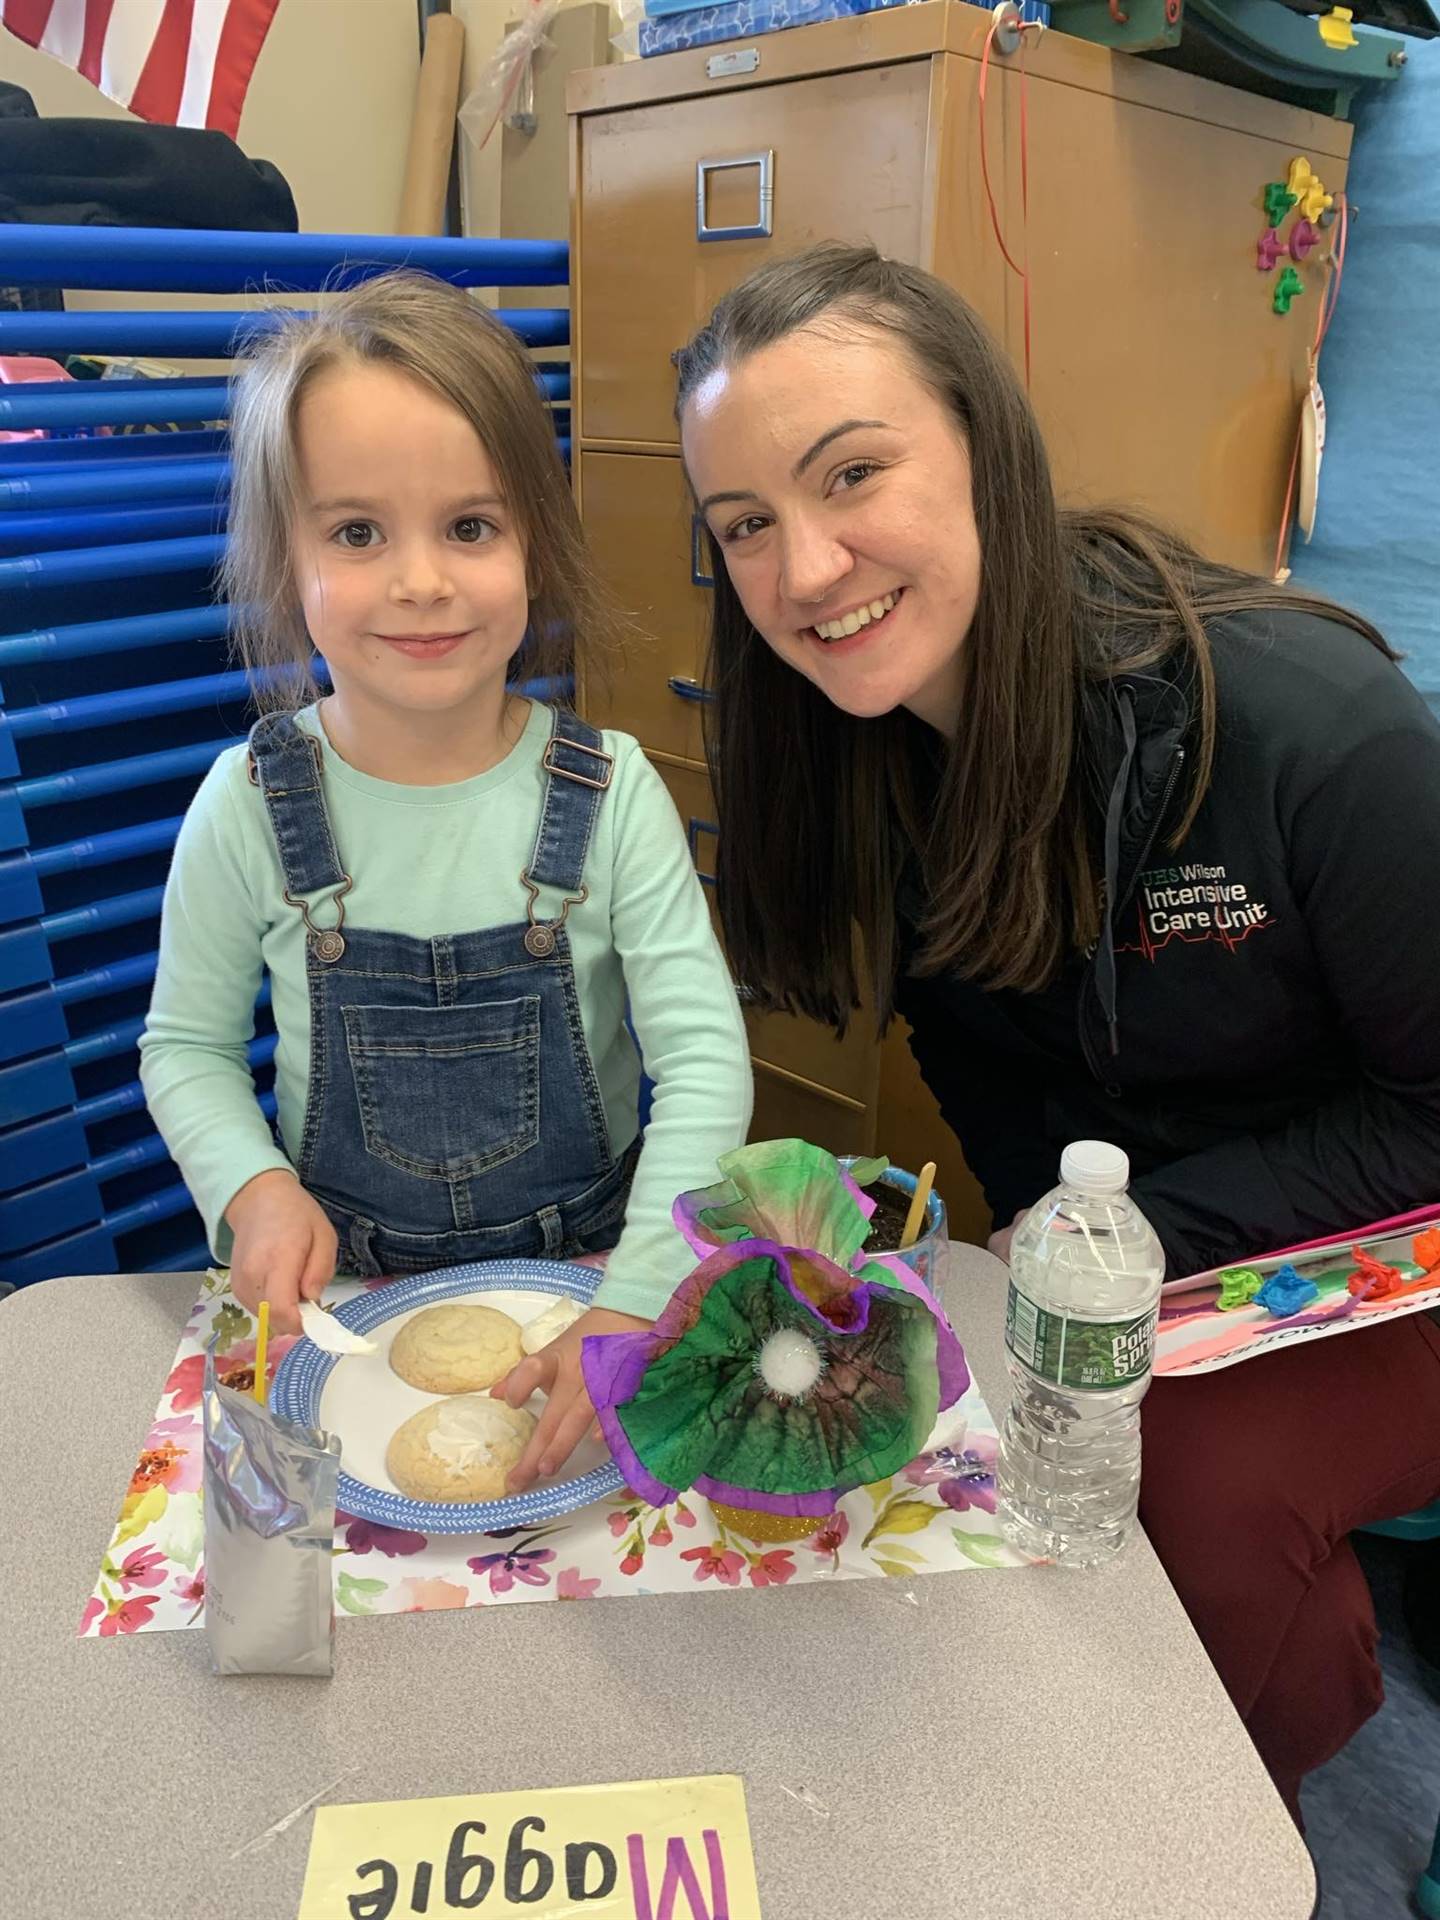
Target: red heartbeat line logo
(1225, 936)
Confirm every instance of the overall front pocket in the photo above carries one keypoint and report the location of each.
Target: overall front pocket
(447, 1093)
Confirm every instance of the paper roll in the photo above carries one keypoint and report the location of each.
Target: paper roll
(432, 129)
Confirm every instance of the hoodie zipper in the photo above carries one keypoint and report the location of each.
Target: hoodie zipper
(1091, 1062)
(1110, 1087)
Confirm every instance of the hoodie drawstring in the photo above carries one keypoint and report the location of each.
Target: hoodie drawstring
(1105, 969)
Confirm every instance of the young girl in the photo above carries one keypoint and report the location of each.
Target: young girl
(1142, 848)
(453, 889)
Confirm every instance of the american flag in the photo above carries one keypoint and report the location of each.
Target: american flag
(183, 63)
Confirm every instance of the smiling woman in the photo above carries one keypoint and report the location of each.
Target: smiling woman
(867, 614)
(832, 546)
(1125, 832)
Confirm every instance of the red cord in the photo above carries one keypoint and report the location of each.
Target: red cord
(1328, 302)
(1022, 270)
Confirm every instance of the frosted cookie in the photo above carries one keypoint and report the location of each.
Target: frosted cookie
(458, 1449)
(548, 1325)
(458, 1349)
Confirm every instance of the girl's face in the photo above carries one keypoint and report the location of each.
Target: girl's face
(838, 486)
(408, 561)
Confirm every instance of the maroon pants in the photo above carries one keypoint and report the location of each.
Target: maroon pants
(1253, 1478)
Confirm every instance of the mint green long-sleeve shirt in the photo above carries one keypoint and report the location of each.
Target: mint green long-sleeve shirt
(428, 861)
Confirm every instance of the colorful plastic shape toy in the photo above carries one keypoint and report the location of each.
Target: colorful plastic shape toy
(1300, 178)
(1272, 245)
(1287, 289)
(1308, 188)
(1278, 202)
(1304, 238)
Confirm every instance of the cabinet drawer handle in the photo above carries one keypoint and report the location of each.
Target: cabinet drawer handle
(691, 689)
(694, 832)
(765, 207)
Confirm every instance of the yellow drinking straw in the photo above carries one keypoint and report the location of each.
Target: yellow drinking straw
(262, 1340)
(918, 1205)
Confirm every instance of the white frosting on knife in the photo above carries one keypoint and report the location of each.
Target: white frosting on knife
(545, 1327)
(329, 1334)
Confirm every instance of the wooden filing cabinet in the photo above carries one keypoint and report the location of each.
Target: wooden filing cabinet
(641, 529)
(1159, 370)
(847, 163)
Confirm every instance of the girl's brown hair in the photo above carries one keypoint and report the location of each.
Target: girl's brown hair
(444, 339)
(820, 810)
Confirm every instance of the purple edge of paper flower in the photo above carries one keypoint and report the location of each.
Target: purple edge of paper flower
(823, 1501)
(950, 1361)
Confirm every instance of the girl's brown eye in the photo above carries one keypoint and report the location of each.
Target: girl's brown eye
(472, 531)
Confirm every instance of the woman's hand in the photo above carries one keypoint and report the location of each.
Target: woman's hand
(284, 1247)
(555, 1372)
(999, 1243)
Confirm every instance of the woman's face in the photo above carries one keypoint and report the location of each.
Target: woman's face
(838, 487)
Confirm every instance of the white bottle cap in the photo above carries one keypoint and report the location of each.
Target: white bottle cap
(1094, 1166)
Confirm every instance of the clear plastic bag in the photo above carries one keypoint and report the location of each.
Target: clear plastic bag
(494, 93)
(627, 41)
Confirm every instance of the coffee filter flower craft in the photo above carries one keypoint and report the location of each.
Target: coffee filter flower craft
(787, 1368)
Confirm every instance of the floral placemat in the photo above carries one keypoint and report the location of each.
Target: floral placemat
(936, 1516)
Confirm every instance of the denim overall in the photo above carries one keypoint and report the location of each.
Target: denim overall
(453, 1111)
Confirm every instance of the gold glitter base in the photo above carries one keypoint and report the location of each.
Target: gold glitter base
(769, 1529)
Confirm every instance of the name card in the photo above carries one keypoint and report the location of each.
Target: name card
(647, 1850)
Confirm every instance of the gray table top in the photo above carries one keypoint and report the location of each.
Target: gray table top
(1018, 1743)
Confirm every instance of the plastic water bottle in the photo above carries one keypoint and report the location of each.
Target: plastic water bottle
(1085, 1274)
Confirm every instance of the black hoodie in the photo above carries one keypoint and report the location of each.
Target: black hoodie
(1259, 1025)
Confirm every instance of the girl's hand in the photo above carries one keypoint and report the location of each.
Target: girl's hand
(284, 1247)
(555, 1372)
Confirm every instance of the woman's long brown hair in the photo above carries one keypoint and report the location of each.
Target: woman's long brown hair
(819, 810)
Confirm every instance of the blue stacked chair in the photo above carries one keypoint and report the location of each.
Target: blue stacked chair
(117, 692)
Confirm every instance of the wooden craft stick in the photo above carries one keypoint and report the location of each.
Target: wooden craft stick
(915, 1218)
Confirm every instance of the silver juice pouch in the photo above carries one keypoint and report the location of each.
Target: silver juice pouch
(269, 1528)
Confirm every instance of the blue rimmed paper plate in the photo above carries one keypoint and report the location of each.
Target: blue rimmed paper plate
(364, 1400)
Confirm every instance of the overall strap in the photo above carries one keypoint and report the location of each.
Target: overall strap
(578, 771)
(286, 764)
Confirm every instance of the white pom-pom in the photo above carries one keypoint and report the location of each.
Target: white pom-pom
(790, 1363)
